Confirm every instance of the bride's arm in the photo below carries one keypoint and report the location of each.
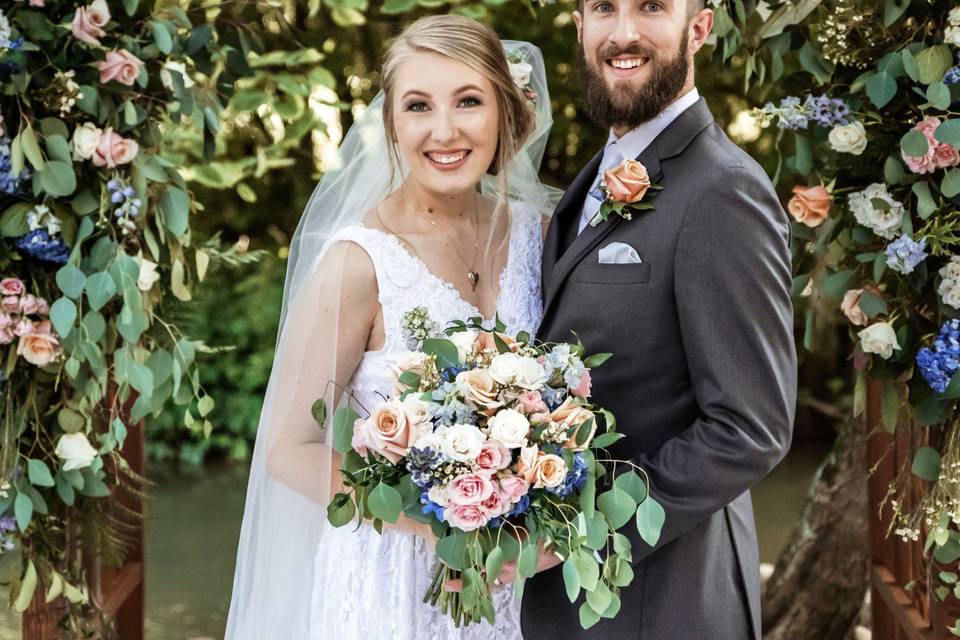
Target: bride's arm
(324, 337)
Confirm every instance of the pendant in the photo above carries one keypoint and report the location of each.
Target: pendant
(474, 278)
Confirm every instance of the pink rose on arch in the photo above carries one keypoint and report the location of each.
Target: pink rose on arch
(120, 65)
(945, 155)
(466, 517)
(23, 327)
(470, 488)
(6, 335)
(513, 488)
(11, 303)
(113, 150)
(582, 390)
(493, 457)
(40, 347)
(43, 307)
(88, 22)
(939, 154)
(531, 402)
(28, 303)
(11, 287)
(6, 320)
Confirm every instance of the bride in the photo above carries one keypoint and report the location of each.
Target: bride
(436, 204)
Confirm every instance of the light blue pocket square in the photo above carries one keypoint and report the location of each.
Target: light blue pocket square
(619, 253)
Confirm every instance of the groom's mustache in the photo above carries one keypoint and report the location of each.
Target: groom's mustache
(613, 51)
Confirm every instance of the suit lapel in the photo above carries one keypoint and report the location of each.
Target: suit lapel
(563, 225)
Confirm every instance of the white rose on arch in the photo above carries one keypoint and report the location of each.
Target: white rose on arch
(86, 137)
(879, 338)
(75, 450)
(848, 138)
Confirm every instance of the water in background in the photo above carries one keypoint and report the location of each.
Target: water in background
(194, 521)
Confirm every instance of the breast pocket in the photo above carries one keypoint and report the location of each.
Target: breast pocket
(612, 273)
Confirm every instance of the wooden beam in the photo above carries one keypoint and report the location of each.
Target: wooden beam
(898, 602)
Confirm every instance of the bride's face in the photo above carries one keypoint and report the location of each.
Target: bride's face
(446, 120)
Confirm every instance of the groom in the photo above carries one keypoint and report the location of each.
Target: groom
(696, 310)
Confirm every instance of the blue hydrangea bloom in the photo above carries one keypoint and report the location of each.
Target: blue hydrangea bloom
(10, 183)
(904, 254)
(521, 507)
(938, 365)
(429, 506)
(40, 245)
(952, 76)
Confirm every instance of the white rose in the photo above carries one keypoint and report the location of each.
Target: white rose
(504, 368)
(75, 450)
(86, 137)
(531, 374)
(884, 222)
(879, 338)
(848, 138)
(167, 79)
(148, 274)
(949, 288)
(463, 442)
(438, 494)
(510, 428)
(465, 341)
(951, 35)
(520, 72)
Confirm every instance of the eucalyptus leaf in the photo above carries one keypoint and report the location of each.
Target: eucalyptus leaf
(926, 464)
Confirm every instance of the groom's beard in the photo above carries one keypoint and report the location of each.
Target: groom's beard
(624, 106)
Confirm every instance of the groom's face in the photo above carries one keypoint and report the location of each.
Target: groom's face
(638, 56)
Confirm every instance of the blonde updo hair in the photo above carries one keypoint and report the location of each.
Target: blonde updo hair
(477, 46)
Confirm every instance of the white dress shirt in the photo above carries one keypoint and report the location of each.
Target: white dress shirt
(630, 146)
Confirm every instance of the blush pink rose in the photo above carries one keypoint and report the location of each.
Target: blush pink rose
(120, 65)
(11, 303)
(466, 517)
(531, 402)
(88, 22)
(470, 488)
(113, 150)
(11, 287)
(945, 155)
(493, 457)
(928, 162)
(43, 307)
(389, 431)
(359, 441)
(6, 335)
(495, 504)
(40, 347)
(6, 320)
(29, 303)
(513, 488)
(582, 390)
(23, 327)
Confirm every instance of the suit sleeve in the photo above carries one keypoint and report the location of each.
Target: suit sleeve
(732, 286)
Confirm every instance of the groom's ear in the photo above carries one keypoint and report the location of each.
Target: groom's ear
(578, 21)
(699, 29)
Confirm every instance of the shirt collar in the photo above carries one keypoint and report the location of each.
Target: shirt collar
(633, 143)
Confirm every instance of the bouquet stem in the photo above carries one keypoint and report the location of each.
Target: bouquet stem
(449, 601)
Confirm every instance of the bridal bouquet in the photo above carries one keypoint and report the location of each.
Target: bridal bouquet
(492, 440)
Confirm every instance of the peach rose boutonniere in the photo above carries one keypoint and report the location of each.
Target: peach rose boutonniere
(624, 188)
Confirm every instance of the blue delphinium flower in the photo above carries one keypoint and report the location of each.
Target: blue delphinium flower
(40, 245)
(790, 114)
(952, 76)
(904, 254)
(520, 508)
(429, 506)
(938, 365)
(450, 373)
(827, 111)
(10, 183)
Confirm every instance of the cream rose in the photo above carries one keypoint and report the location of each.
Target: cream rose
(510, 428)
(479, 389)
(504, 368)
(85, 140)
(148, 274)
(75, 451)
(40, 347)
(463, 442)
(531, 374)
(810, 205)
(177, 67)
(520, 73)
(113, 150)
(413, 362)
(627, 182)
(466, 343)
(879, 338)
(120, 65)
(848, 138)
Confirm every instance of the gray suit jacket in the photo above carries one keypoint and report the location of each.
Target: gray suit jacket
(702, 381)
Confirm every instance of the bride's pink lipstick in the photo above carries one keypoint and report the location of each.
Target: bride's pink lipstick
(445, 160)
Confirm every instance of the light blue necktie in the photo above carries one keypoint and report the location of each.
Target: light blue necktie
(595, 197)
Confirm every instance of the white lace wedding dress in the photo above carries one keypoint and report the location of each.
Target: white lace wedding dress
(371, 586)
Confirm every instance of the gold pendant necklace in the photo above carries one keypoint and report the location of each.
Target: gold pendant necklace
(472, 275)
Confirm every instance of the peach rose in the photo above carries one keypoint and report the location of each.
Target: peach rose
(851, 307)
(88, 22)
(493, 457)
(485, 341)
(120, 65)
(11, 287)
(40, 347)
(582, 390)
(413, 362)
(113, 150)
(569, 414)
(479, 389)
(466, 517)
(471, 488)
(390, 432)
(810, 205)
(627, 182)
(513, 488)
(549, 470)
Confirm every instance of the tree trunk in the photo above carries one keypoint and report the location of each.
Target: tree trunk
(817, 588)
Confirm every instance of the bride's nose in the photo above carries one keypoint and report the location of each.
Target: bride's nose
(444, 127)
